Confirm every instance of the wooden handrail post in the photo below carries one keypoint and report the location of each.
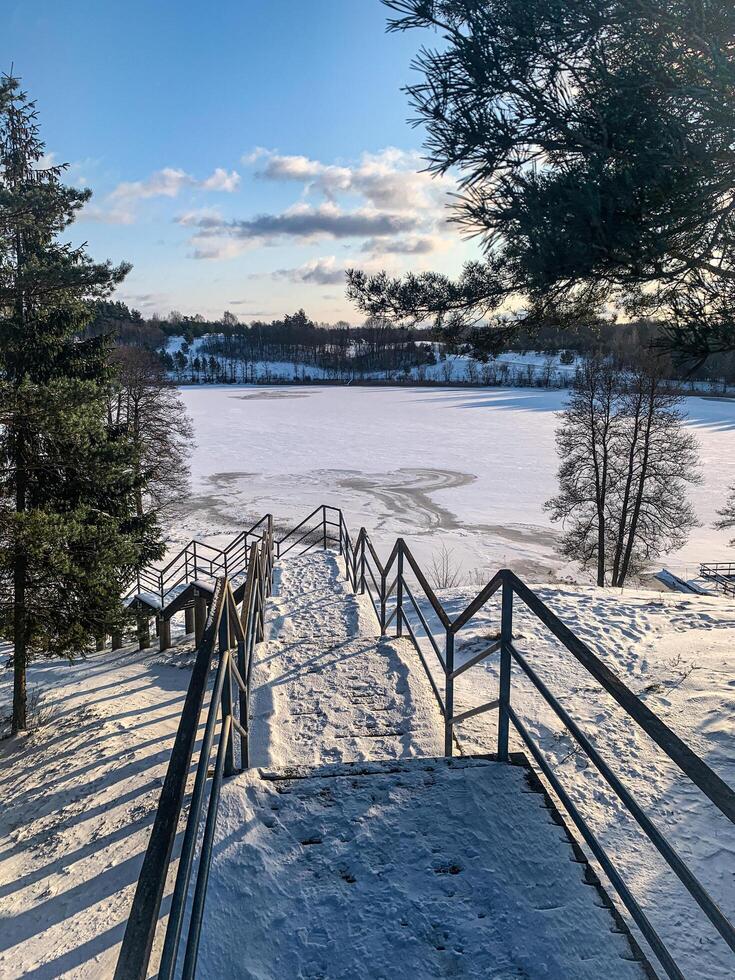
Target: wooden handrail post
(189, 619)
(399, 589)
(449, 692)
(506, 640)
(144, 631)
(164, 633)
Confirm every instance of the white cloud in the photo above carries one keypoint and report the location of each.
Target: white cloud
(391, 179)
(221, 180)
(163, 183)
(323, 271)
(170, 181)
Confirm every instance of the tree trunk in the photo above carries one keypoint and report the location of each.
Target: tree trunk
(20, 622)
(617, 580)
(641, 487)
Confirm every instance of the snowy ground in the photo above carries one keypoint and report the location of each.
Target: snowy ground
(675, 653)
(470, 468)
(78, 799)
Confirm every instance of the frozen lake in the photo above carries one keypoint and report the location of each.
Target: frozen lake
(467, 467)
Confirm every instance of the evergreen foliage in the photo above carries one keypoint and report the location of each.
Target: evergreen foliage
(594, 141)
(70, 536)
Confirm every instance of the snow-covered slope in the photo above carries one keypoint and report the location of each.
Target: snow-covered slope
(78, 798)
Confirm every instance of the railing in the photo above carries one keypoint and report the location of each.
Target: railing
(313, 531)
(722, 574)
(393, 599)
(401, 596)
(232, 636)
(200, 560)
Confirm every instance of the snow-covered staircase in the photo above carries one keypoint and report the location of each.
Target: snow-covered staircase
(351, 850)
(326, 689)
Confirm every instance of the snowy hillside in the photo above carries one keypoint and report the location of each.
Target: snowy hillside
(80, 791)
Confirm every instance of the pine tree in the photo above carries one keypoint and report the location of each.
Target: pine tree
(70, 536)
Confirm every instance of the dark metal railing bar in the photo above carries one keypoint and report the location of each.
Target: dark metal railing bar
(311, 530)
(487, 706)
(389, 590)
(637, 913)
(420, 652)
(391, 618)
(141, 926)
(374, 555)
(317, 510)
(695, 889)
(372, 576)
(429, 592)
(478, 657)
(205, 858)
(715, 788)
(427, 629)
(478, 602)
(375, 605)
(188, 846)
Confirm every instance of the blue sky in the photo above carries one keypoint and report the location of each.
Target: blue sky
(241, 152)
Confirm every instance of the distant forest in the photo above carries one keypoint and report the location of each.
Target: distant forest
(196, 350)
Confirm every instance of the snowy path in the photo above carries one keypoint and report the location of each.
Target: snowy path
(410, 868)
(413, 869)
(327, 689)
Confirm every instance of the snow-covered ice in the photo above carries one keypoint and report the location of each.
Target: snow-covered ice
(469, 468)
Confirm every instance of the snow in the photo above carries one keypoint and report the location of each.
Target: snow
(467, 468)
(470, 468)
(422, 869)
(428, 871)
(79, 795)
(325, 691)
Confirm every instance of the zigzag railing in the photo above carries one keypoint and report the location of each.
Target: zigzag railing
(393, 599)
(400, 594)
(199, 560)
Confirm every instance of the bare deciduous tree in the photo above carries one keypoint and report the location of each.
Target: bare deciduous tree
(148, 408)
(727, 514)
(444, 571)
(626, 463)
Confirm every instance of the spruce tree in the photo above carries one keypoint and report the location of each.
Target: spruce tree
(70, 536)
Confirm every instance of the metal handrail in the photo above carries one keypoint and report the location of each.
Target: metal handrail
(363, 567)
(358, 561)
(226, 631)
(199, 558)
